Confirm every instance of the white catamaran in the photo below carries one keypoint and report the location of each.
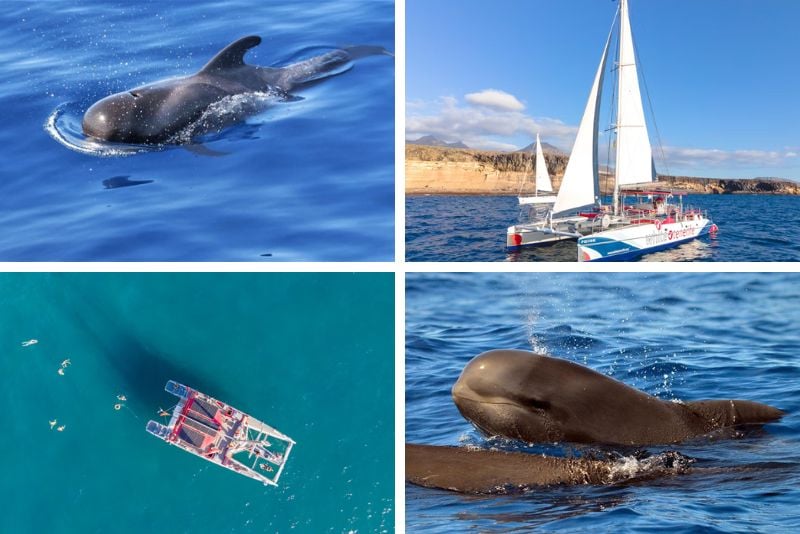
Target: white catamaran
(643, 217)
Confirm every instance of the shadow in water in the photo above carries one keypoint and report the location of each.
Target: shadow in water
(144, 372)
(116, 182)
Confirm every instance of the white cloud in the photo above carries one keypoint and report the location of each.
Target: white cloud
(493, 98)
(712, 157)
(484, 127)
(505, 128)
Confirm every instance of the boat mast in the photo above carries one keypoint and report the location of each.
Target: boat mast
(623, 16)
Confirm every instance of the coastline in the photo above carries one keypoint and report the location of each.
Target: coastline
(442, 171)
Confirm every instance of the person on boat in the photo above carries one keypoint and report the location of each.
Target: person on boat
(163, 413)
(658, 204)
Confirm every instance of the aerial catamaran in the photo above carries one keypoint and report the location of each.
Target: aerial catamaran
(645, 217)
(221, 434)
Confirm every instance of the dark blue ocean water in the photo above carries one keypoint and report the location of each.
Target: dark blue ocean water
(675, 336)
(306, 180)
(473, 228)
(290, 349)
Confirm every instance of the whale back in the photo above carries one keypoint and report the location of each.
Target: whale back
(481, 471)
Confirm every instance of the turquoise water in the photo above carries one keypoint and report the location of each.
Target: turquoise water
(311, 354)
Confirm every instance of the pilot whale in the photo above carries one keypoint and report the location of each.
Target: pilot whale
(155, 113)
(490, 471)
(469, 470)
(534, 398)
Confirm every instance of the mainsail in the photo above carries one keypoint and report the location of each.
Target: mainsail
(634, 163)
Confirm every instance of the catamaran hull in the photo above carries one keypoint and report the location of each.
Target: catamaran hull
(631, 242)
(531, 235)
(516, 241)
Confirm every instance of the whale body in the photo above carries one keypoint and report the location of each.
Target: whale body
(534, 398)
(155, 113)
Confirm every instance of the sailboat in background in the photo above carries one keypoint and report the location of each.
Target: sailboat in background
(628, 228)
(576, 211)
(542, 184)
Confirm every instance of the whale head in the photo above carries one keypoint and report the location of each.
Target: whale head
(114, 118)
(535, 398)
(512, 393)
(142, 115)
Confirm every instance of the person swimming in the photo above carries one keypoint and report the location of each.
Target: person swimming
(61, 428)
(66, 363)
(61, 371)
(123, 398)
(30, 342)
(53, 423)
(117, 406)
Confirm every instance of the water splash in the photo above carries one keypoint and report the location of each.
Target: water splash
(227, 112)
(630, 467)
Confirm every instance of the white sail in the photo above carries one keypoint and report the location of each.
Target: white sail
(634, 163)
(542, 176)
(580, 186)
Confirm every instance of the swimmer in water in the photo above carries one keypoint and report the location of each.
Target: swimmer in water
(122, 398)
(53, 423)
(30, 342)
(66, 363)
(61, 428)
(61, 371)
(117, 406)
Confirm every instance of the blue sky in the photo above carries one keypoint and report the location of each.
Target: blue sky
(722, 75)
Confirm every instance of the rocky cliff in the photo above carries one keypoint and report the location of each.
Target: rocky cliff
(449, 171)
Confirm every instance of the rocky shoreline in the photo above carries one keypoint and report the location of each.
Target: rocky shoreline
(455, 171)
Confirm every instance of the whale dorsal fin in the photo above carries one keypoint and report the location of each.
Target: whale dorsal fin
(232, 56)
